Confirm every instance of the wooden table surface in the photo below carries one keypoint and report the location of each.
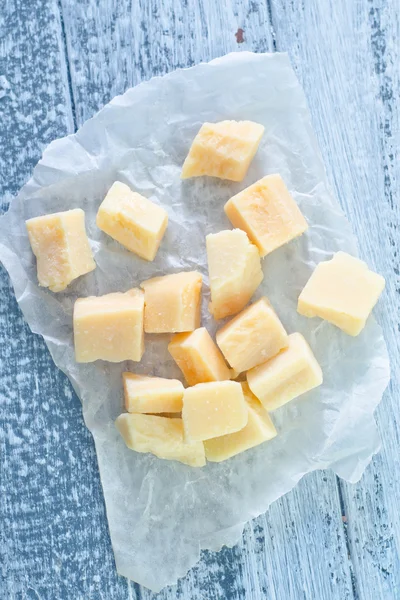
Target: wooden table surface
(60, 61)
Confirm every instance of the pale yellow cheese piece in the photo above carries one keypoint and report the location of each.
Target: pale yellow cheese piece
(145, 394)
(291, 373)
(259, 429)
(213, 409)
(133, 220)
(223, 150)
(160, 436)
(109, 327)
(198, 357)
(252, 337)
(234, 269)
(267, 213)
(172, 302)
(61, 247)
(342, 291)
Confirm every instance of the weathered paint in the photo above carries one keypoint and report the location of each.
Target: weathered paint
(346, 55)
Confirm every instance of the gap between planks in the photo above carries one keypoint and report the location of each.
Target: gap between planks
(67, 68)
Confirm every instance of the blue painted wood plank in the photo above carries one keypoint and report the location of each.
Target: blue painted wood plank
(54, 536)
(34, 102)
(349, 69)
(113, 46)
(54, 542)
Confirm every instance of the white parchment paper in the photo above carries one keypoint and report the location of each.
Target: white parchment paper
(161, 514)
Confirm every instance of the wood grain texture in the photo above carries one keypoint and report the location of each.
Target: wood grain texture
(54, 542)
(60, 64)
(34, 101)
(349, 69)
(115, 45)
(296, 551)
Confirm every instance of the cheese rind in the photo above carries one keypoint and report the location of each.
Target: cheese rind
(223, 150)
(61, 247)
(342, 291)
(172, 302)
(259, 429)
(109, 327)
(291, 373)
(198, 357)
(213, 409)
(145, 394)
(160, 436)
(267, 213)
(234, 269)
(132, 220)
(252, 337)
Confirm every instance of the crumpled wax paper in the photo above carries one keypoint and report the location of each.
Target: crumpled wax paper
(161, 514)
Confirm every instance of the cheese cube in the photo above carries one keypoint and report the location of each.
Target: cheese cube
(109, 327)
(152, 394)
(198, 357)
(342, 291)
(291, 373)
(267, 213)
(132, 220)
(61, 247)
(160, 436)
(172, 302)
(213, 409)
(259, 429)
(252, 337)
(223, 150)
(234, 269)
